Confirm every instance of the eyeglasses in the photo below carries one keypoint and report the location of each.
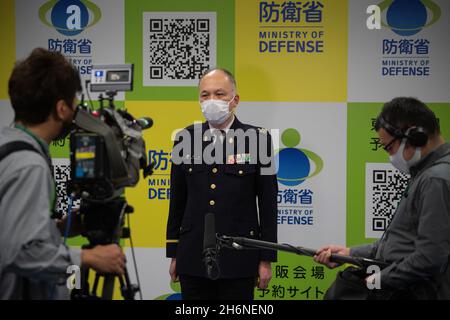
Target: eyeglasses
(389, 145)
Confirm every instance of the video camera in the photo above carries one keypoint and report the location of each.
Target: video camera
(107, 152)
(107, 149)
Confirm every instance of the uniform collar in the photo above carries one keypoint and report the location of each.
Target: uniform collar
(235, 124)
(227, 128)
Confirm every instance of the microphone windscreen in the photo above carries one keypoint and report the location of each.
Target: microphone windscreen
(145, 122)
(209, 236)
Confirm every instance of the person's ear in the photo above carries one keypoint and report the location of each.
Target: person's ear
(61, 110)
(235, 102)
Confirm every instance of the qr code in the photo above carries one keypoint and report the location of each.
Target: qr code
(384, 189)
(61, 175)
(178, 47)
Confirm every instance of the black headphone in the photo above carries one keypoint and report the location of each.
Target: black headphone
(416, 136)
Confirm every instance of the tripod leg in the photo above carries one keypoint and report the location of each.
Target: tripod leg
(124, 289)
(108, 286)
(95, 286)
(128, 290)
(85, 278)
(83, 293)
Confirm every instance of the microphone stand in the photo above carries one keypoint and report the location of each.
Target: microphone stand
(241, 243)
(211, 263)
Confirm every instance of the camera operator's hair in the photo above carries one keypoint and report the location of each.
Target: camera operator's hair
(39, 82)
(406, 112)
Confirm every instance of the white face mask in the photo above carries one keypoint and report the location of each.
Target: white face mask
(216, 111)
(399, 161)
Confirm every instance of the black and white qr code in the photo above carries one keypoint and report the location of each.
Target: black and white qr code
(384, 189)
(61, 175)
(178, 47)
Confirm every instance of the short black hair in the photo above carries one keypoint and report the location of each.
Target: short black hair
(39, 82)
(228, 73)
(405, 112)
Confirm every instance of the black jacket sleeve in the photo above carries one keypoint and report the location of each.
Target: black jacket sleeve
(267, 190)
(178, 195)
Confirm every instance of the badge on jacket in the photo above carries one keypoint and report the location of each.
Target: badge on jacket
(239, 158)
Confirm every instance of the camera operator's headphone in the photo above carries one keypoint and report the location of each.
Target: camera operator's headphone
(416, 136)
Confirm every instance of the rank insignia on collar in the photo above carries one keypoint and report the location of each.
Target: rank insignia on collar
(262, 130)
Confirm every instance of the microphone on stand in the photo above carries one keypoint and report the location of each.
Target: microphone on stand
(209, 247)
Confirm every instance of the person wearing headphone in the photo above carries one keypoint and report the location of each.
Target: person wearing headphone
(416, 243)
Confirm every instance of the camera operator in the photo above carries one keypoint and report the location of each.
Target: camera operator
(33, 258)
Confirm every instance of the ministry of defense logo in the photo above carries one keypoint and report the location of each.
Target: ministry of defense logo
(69, 17)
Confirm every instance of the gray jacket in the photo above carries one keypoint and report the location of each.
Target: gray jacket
(32, 255)
(417, 241)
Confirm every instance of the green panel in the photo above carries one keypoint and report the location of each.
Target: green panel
(288, 283)
(360, 149)
(80, 241)
(77, 241)
(293, 278)
(134, 10)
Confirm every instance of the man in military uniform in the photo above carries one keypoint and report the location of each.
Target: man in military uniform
(226, 168)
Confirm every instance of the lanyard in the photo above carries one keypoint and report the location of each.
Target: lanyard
(42, 144)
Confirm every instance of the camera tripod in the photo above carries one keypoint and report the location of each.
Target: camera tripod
(104, 225)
